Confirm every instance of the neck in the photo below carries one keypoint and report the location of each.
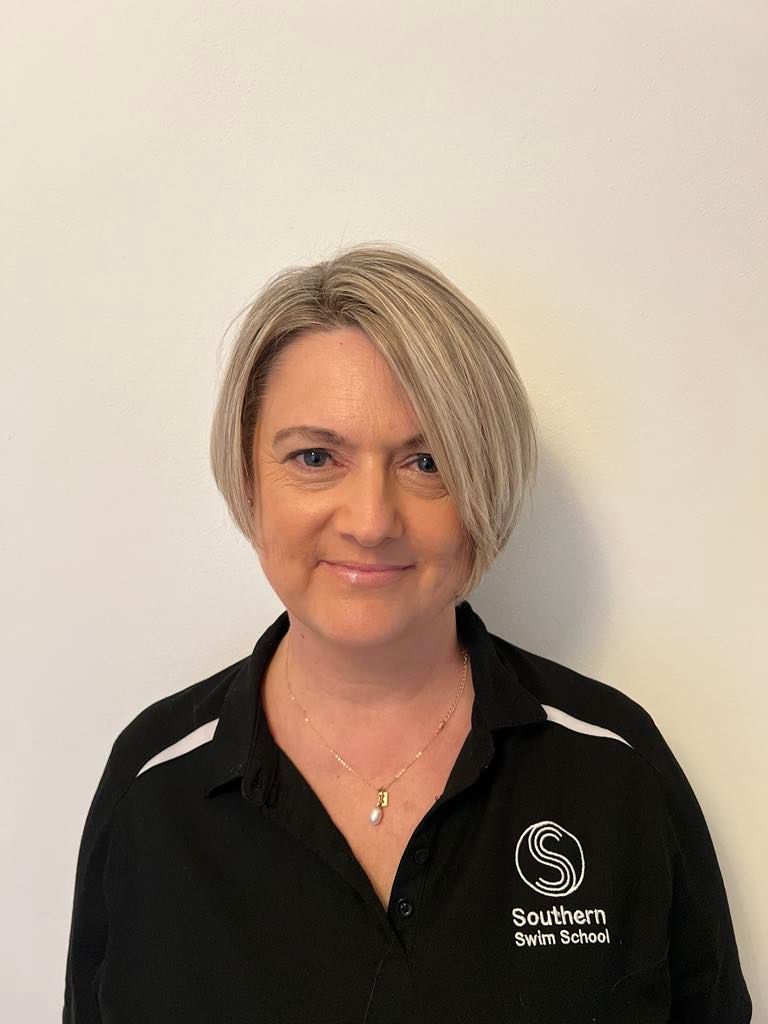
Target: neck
(400, 686)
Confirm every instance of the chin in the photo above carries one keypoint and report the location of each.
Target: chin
(358, 618)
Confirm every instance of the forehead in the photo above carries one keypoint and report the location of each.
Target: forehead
(337, 379)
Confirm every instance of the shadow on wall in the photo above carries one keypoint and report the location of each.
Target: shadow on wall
(549, 590)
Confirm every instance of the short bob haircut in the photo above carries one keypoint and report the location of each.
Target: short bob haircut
(449, 359)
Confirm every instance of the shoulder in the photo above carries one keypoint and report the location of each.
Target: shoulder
(183, 718)
(589, 706)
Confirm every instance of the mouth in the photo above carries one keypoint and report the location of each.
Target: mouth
(367, 575)
(370, 566)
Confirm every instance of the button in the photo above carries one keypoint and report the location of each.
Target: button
(421, 856)
(404, 908)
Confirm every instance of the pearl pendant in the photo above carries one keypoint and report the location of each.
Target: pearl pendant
(382, 799)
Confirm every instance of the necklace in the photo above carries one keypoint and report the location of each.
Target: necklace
(382, 792)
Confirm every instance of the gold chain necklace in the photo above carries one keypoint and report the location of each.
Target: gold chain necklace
(382, 792)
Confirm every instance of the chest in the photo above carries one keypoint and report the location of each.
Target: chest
(348, 802)
(542, 889)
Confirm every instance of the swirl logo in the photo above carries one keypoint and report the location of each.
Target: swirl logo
(566, 862)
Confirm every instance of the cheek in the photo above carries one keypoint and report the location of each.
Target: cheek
(286, 512)
(284, 545)
(289, 535)
(440, 526)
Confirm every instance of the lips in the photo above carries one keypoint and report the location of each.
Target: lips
(373, 567)
(367, 575)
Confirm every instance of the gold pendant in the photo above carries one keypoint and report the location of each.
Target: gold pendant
(382, 799)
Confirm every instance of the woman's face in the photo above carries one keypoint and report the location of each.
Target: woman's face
(363, 498)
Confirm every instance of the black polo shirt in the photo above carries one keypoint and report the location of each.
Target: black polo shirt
(565, 874)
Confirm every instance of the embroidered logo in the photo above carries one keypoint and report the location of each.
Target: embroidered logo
(547, 844)
(550, 860)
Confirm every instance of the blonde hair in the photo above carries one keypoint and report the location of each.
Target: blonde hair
(448, 357)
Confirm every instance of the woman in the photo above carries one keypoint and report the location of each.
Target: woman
(386, 813)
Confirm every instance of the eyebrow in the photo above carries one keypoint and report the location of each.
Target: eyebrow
(311, 433)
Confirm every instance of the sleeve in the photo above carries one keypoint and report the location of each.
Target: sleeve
(89, 923)
(707, 984)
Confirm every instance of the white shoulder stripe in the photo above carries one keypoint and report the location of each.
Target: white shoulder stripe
(193, 739)
(563, 718)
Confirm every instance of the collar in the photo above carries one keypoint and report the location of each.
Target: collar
(243, 748)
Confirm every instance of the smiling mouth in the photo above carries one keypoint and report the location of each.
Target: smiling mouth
(366, 576)
(362, 567)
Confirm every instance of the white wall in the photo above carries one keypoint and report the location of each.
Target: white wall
(592, 174)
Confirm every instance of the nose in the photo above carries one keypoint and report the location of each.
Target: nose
(369, 509)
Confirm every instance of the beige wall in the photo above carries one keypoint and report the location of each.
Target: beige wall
(592, 174)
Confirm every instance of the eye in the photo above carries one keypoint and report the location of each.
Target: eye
(316, 453)
(429, 458)
(323, 453)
